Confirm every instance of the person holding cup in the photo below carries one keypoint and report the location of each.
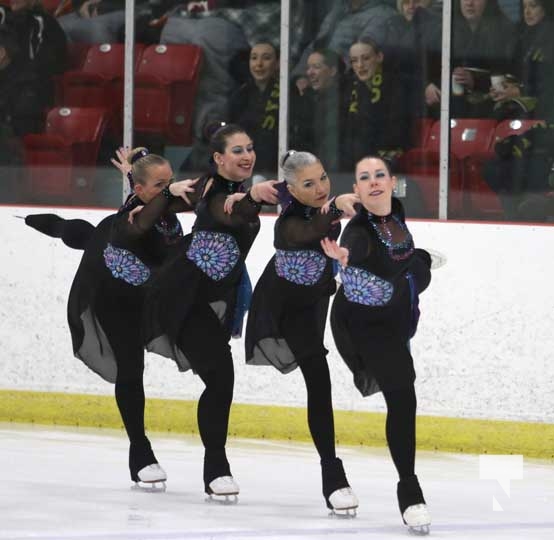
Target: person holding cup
(481, 43)
(528, 92)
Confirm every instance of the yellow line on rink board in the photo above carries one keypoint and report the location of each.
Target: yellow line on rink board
(534, 440)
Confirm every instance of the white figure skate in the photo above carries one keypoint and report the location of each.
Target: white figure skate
(438, 259)
(418, 519)
(151, 478)
(344, 503)
(223, 490)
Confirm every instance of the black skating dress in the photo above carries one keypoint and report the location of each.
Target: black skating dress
(375, 311)
(199, 298)
(107, 295)
(287, 316)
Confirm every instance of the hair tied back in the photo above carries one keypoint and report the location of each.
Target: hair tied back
(139, 155)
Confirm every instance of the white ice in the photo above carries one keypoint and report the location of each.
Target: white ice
(73, 484)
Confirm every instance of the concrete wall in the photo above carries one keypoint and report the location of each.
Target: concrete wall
(484, 349)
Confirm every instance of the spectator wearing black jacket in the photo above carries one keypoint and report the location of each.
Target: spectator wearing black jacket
(483, 41)
(255, 105)
(20, 110)
(41, 40)
(377, 107)
(531, 91)
(317, 111)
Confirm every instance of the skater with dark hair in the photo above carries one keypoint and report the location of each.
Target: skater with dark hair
(375, 314)
(198, 301)
(286, 321)
(107, 296)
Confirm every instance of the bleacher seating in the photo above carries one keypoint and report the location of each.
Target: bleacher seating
(467, 136)
(99, 83)
(61, 162)
(165, 88)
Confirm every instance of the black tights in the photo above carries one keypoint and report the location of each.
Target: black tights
(401, 429)
(205, 344)
(75, 233)
(129, 387)
(214, 406)
(320, 404)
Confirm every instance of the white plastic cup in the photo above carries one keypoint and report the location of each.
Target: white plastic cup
(457, 88)
(497, 82)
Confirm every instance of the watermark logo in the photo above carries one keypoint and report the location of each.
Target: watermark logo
(503, 469)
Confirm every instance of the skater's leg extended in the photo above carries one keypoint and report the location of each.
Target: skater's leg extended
(74, 233)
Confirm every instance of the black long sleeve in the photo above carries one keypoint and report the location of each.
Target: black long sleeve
(297, 232)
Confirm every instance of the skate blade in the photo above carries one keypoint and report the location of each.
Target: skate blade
(344, 513)
(150, 487)
(419, 530)
(227, 499)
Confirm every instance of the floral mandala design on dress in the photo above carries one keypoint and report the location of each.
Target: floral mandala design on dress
(303, 267)
(215, 253)
(363, 287)
(125, 265)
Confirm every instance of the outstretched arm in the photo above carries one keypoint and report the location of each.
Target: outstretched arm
(299, 231)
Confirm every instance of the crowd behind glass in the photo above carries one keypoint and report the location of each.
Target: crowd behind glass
(365, 79)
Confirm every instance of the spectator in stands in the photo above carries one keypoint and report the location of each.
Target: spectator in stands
(413, 39)
(20, 89)
(345, 23)
(482, 42)
(103, 21)
(531, 91)
(41, 40)
(20, 109)
(255, 105)
(315, 117)
(224, 31)
(95, 21)
(377, 113)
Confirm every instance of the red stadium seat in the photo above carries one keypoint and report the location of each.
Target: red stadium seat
(513, 127)
(99, 83)
(62, 160)
(470, 136)
(165, 88)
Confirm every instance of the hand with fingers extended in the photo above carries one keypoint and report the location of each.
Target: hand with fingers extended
(265, 192)
(182, 187)
(231, 200)
(345, 203)
(123, 165)
(334, 251)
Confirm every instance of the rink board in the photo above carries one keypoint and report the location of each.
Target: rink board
(352, 428)
(483, 349)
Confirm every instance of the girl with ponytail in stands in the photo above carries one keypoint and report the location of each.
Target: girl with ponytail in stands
(375, 314)
(286, 321)
(198, 301)
(107, 296)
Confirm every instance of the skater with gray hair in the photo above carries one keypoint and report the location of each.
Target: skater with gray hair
(286, 321)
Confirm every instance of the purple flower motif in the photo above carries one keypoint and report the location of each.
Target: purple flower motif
(125, 265)
(363, 287)
(215, 253)
(303, 267)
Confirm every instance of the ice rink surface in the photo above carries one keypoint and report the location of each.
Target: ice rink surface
(73, 484)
